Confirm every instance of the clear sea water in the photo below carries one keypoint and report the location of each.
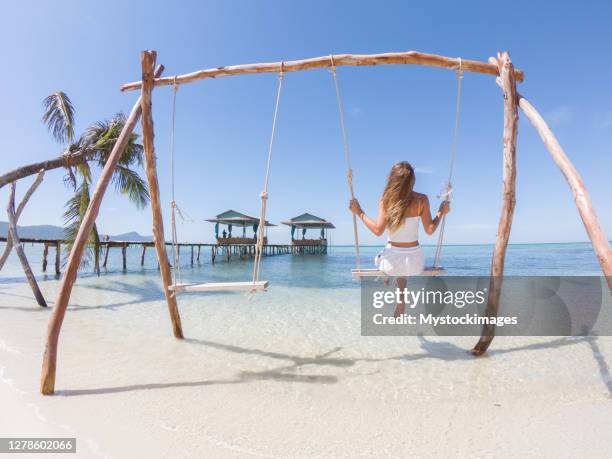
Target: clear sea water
(331, 270)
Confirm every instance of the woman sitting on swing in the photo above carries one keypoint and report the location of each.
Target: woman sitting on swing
(399, 211)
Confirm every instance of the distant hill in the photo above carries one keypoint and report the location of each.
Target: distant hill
(35, 231)
(57, 232)
(131, 236)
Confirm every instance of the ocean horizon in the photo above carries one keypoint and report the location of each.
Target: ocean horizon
(321, 271)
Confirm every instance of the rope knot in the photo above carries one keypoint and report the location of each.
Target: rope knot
(459, 69)
(281, 73)
(333, 65)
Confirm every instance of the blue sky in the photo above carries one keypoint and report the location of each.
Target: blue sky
(88, 49)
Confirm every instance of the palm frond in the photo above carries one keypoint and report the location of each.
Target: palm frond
(74, 212)
(103, 135)
(128, 182)
(59, 117)
(70, 178)
(84, 171)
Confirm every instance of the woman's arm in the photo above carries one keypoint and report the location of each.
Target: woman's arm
(431, 225)
(376, 226)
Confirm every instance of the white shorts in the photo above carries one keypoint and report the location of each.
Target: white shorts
(401, 261)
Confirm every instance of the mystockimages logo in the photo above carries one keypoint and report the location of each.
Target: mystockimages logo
(457, 306)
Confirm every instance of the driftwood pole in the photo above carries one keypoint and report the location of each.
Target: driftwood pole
(508, 84)
(574, 180)
(47, 379)
(147, 60)
(405, 57)
(26, 197)
(14, 236)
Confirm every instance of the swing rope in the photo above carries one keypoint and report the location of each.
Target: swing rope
(264, 193)
(176, 272)
(446, 194)
(347, 156)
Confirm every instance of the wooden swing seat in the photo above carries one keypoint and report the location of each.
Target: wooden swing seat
(219, 286)
(428, 271)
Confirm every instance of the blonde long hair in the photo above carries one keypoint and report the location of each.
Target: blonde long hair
(397, 196)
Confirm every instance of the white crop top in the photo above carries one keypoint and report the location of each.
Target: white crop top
(407, 232)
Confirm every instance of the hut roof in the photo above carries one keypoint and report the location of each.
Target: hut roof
(307, 220)
(231, 217)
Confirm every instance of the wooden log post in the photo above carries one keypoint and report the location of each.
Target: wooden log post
(191, 255)
(587, 212)
(14, 236)
(58, 258)
(142, 257)
(47, 379)
(26, 197)
(147, 60)
(508, 84)
(198, 258)
(124, 255)
(45, 255)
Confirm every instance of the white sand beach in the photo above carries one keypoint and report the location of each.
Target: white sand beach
(249, 382)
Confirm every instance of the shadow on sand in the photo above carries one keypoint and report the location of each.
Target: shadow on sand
(291, 372)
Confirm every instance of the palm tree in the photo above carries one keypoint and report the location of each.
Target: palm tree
(93, 147)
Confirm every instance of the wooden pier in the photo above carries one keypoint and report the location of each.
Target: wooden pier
(226, 251)
(309, 246)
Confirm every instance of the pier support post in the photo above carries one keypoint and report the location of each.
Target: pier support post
(142, 257)
(58, 258)
(147, 60)
(508, 84)
(45, 255)
(47, 379)
(124, 255)
(106, 255)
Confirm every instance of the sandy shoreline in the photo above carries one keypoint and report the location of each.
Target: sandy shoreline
(127, 388)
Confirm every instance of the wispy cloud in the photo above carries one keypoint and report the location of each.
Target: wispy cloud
(357, 111)
(559, 116)
(423, 170)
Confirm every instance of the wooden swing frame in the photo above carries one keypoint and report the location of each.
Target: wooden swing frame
(501, 67)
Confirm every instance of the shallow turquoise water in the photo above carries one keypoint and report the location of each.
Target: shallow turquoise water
(333, 270)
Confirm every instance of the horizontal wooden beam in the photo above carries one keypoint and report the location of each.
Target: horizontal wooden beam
(340, 60)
